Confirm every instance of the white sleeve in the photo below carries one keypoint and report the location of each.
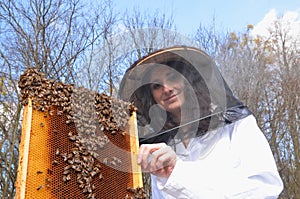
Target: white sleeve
(240, 166)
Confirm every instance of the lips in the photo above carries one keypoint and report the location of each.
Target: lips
(171, 99)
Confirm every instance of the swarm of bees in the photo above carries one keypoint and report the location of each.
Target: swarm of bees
(89, 111)
(136, 193)
(43, 92)
(112, 114)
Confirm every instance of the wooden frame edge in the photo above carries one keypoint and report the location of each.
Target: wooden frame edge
(23, 152)
(134, 143)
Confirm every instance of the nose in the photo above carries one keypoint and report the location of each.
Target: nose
(167, 87)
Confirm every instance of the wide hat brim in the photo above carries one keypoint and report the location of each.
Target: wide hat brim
(221, 96)
(137, 71)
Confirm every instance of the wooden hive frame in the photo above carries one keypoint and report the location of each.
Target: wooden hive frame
(60, 158)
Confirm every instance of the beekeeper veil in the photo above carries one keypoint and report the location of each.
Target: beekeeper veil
(209, 102)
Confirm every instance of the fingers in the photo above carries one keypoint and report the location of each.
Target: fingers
(164, 172)
(162, 158)
(159, 159)
(145, 152)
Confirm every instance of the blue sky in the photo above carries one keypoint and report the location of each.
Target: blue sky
(229, 15)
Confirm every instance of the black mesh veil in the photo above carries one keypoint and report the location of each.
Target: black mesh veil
(210, 103)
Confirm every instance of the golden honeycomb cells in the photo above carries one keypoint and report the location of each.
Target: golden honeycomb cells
(33, 156)
(69, 152)
(45, 164)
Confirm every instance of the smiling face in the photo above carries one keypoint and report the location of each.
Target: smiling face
(167, 88)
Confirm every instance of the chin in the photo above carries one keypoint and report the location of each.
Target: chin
(173, 108)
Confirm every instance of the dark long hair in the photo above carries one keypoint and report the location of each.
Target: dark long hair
(197, 102)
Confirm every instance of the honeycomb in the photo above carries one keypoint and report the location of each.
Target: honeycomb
(75, 143)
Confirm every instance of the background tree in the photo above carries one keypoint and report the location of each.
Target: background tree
(52, 36)
(284, 103)
(263, 72)
(133, 35)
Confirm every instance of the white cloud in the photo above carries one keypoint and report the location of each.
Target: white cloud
(262, 27)
(290, 23)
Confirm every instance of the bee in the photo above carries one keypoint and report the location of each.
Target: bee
(89, 167)
(64, 156)
(71, 161)
(100, 176)
(85, 158)
(39, 187)
(97, 169)
(79, 180)
(98, 166)
(130, 189)
(117, 160)
(127, 196)
(41, 108)
(67, 167)
(66, 177)
(77, 160)
(81, 185)
(70, 155)
(83, 148)
(69, 121)
(47, 180)
(55, 162)
(72, 138)
(42, 124)
(84, 190)
(66, 172)
(113, 163)
(75, 152)
(57, 152)
(49, 171)
(51, 112)
(91, 196)
(105, 161)
(77, 168)
(39, 172)
(93, 173)
(89, 189)
(101, 144)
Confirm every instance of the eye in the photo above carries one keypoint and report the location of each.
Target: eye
(155, 86)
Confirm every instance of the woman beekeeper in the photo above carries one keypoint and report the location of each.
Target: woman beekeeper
(196, 138)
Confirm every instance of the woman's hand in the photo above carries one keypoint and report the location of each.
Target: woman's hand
(159, 159)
